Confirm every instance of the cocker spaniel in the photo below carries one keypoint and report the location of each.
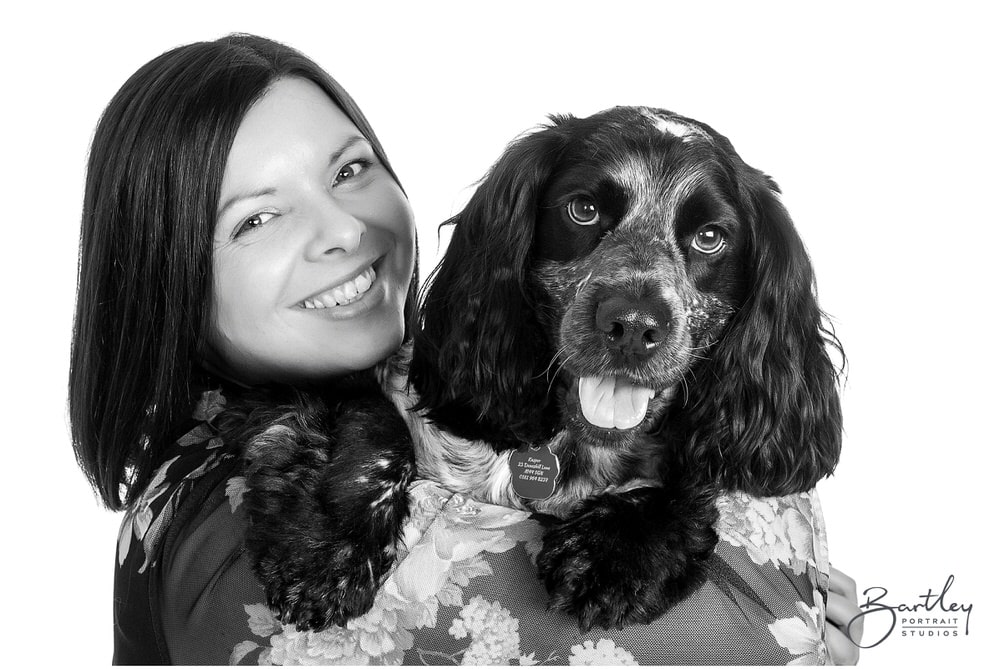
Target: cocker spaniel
(624, 325)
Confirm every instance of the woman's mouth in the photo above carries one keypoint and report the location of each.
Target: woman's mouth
(350, 291)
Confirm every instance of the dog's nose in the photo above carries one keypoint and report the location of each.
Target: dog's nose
(633, 327)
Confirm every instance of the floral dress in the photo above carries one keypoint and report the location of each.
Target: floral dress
(464, 590)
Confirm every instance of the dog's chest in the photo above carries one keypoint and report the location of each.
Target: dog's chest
(475, 469)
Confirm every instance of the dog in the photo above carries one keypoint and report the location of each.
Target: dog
(624, 326)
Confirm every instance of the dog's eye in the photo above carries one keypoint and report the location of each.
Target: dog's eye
(709, 239)
(583, 211)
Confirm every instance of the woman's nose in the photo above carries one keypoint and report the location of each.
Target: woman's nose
(334, 228)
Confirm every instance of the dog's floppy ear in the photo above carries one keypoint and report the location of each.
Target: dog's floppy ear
(764, 413)
(480, 357)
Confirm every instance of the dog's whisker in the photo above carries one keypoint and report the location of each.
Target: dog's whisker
(552, 380)
(553, 360)
(684, 389)
(559, 368)
(692, 352)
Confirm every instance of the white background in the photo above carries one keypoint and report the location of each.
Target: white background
(880, 124)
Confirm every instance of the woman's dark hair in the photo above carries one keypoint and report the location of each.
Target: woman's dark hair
(153, 179)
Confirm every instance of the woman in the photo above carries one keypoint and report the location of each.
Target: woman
(242, 226)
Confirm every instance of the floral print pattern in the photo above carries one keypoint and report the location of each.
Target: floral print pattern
(139, 520)
(492, 632)
(465, 591)
(802, 635)
(603, 654)
(446, 543)
(778, 530)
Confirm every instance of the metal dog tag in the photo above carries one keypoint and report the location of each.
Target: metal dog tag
(533, 472)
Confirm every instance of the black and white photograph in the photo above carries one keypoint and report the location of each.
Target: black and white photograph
(531, 333)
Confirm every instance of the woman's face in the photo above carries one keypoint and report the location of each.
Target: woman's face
(314, 245)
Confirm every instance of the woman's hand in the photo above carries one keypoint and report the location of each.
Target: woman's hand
(841, 608)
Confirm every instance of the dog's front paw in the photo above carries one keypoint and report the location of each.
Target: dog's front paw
(627, 558)
(336, 582)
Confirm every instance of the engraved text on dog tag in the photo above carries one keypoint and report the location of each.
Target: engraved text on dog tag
(533, 472)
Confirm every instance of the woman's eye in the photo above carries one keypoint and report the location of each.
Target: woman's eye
(350, 171)
(583, 211)
(255, 221)
(709, 239)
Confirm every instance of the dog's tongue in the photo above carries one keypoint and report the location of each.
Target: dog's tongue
(609, 402)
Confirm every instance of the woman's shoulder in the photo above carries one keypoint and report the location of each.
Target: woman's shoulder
(185, 464)
(186, 523)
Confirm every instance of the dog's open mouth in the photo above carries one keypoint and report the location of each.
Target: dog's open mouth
(611, 402)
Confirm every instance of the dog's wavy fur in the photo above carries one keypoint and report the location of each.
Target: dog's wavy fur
(746, 395)
(325, 519)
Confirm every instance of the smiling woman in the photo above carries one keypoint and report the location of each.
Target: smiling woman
(323, 234)
(241, 226)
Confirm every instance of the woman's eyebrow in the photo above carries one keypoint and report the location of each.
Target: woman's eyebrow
(244, 196)
(350, 143)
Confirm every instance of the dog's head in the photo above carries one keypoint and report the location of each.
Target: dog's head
(626, 274)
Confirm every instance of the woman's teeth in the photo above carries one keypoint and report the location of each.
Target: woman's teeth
(345, 293)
